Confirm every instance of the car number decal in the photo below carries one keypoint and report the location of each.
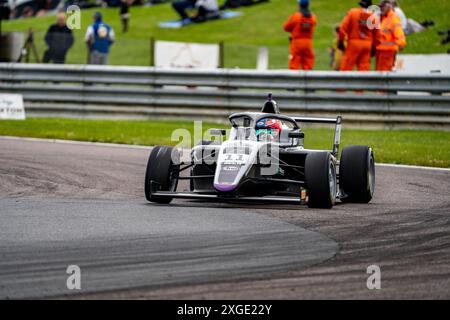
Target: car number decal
(235, 159)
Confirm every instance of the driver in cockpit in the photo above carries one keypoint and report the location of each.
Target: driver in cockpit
(269, 130)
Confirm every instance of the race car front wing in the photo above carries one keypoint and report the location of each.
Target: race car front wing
(219, 198)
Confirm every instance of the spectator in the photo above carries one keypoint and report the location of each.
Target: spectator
(27, 12)
(125, 14)
(232, 4)
(206, 9)
(41, 7)
(99, 37)
(360, 38)
(5, 10)
(390, 37)
(336, 54)
(410, 26)
(401, 15)
(181, 7)
(59, 39)
(301, 25)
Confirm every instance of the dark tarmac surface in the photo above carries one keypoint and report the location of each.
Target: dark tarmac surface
(64, 204)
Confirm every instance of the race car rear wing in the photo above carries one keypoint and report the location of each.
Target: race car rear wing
(337, 130)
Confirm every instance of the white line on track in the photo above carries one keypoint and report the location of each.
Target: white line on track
(403, 166)
(81, 143)
(129, 146)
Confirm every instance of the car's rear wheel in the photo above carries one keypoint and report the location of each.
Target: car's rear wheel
(357, 174)
(162, 173)
(320, 175)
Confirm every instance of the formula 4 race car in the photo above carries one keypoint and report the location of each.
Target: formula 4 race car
(264, 160)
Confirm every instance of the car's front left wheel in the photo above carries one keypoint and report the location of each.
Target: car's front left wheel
(320, 175)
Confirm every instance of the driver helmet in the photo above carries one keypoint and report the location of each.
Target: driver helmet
(270, 128)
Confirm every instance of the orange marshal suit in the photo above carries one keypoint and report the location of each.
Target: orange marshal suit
(301, 48)
(389, 40)
(360, 39)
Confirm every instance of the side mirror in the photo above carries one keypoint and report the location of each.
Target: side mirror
(297, 135)
(218, 132)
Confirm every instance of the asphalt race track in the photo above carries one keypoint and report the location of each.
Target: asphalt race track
(63, 204)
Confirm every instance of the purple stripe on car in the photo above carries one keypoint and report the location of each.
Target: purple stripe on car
(224, 187)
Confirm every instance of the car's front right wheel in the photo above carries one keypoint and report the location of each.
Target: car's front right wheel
(162, 173)
(357, 174)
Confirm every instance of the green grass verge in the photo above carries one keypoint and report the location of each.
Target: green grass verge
(260, 25)
(427, 148)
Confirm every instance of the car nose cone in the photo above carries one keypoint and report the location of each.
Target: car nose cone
(225, 187)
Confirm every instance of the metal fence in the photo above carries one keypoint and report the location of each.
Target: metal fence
(380, 99)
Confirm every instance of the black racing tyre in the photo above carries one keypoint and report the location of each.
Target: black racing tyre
(357, 174)
(163, 169)
(320, 175)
